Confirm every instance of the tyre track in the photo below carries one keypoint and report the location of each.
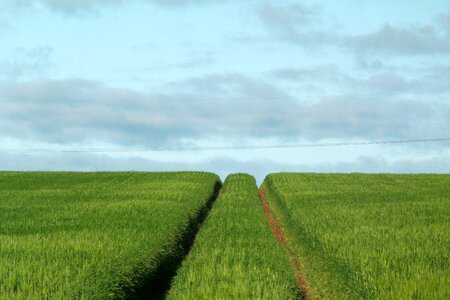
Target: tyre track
(279, 235)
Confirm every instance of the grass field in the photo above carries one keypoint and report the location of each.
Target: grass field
(367, 236)
(235, 255)
(95, 235)
(124, 235)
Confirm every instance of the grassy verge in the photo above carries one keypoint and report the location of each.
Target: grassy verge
(96, 235)
(367, 236)
(235, 255)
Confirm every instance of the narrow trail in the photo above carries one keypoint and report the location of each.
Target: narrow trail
(279, 235)
(170, 270)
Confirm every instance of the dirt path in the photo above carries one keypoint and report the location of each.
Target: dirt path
(277, 232)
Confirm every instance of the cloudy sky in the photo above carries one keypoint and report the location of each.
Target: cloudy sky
(127, 75)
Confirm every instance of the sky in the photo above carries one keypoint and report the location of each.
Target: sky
(139, 74)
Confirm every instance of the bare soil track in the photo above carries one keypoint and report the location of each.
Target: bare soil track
(279, 235)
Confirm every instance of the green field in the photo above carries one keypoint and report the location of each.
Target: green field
(134, 236)
(367, 236)
(235, 255)
(95, 235)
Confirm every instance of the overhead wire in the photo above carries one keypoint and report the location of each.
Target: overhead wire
(231, 147)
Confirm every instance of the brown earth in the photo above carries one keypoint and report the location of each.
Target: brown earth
(277, 232)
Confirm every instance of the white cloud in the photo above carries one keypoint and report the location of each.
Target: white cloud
(443, 21)
(232, 106)
(296, 24)
(329, 73)
(71, 7)
(288, 16)
(402, 41)
(26, 62)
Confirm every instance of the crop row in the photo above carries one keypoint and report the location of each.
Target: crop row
(96, 235)
(235, 255)
(123, 235)
(367, 236)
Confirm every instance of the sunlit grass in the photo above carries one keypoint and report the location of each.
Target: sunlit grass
(235, 255)
(367, 236)
(93, 235)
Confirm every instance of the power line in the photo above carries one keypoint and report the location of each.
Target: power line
(213, 148)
